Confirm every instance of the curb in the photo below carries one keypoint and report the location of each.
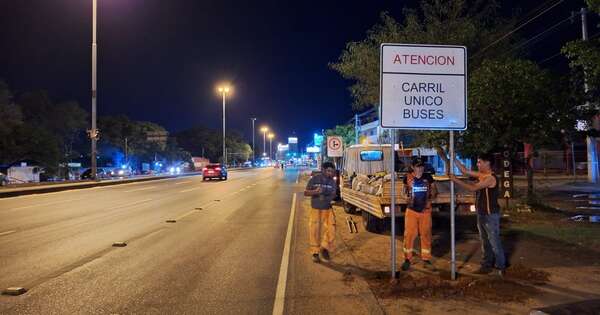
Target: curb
(75, 186)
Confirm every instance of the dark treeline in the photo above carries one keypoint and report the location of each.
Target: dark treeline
(35, 128)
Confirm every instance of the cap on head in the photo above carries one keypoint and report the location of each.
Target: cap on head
(418, 162)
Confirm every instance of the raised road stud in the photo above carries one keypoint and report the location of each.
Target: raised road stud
(119, 244)
(14, 291)
(171, 221)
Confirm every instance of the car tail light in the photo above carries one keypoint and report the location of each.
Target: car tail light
(204, 169)
(217, 168)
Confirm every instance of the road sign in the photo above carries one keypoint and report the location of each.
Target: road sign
(423, 87)
(335, 146)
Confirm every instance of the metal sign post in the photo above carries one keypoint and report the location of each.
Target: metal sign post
(452, 210)
(393, 204)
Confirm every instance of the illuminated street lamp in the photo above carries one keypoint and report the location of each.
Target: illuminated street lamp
(264, 131)
(271, 136)
(224, 89)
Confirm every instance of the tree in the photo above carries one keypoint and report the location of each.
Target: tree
(200, 141)
(11, 118)
(460, 22)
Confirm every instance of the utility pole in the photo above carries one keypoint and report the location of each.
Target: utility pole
(592, 152)
(126, 151)
(356, 126)
(93, 131)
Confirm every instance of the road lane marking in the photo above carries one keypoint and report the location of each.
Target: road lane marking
(45, 204)
(132, 203)
(186, 214)
(185, 182)
(191, 189)
(285, 260)
(140, 189)
(7, 232)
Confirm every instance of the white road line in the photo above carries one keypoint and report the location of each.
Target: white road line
(185, 182)
(186, 214)
(140, 189)
(131, 204)
(7, 232)
(285, 260)
(191, 189)
(44, 204)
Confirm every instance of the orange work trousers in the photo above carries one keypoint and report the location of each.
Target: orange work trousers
(321, 227)
(417, 224)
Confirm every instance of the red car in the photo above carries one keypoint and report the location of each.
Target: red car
(214, 171)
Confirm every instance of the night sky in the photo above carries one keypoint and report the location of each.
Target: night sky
(161, 60)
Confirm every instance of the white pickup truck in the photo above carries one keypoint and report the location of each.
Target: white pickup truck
(372, 196)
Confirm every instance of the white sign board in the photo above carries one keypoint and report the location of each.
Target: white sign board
(423, 87)
(335, 147)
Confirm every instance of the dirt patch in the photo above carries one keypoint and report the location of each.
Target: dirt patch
(522, 272)
(431, 286)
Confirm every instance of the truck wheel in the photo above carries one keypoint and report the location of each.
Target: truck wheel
(372, 223)
(349, 208)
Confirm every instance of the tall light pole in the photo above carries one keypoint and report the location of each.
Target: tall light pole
(253, 150)
(224, 90)
(264, 131)
(271, 136)
(93, 132)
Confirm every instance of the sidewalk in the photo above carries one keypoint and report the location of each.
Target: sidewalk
(324, 288)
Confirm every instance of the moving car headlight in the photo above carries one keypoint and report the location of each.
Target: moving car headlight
(121, 172)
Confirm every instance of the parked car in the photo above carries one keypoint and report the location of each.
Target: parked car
(121, 172)
(100, 174)
(214, 171)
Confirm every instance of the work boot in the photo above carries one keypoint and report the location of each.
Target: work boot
(315, 258)
(325, 254)
(406, 265)
(428, 265)
(483, 270)
(500, 273)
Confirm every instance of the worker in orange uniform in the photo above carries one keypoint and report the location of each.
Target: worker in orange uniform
(421, 190)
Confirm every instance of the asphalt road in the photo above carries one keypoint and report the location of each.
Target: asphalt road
(222, 255)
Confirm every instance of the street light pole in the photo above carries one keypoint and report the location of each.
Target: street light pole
(93, 132)
(224, 149)
(253, 150)
(271, 145)
(224, 90)
(264, 131)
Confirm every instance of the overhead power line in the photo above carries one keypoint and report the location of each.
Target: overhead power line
(538, 36)
(517, 28)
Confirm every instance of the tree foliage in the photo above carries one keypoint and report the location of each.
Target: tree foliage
(460, 22)
(201, 141)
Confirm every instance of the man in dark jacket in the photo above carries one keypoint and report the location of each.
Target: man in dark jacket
(321, 188)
